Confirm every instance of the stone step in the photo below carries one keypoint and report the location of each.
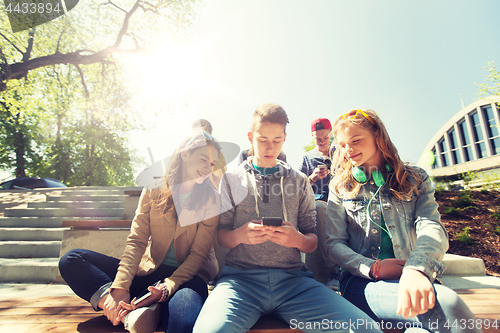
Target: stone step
(31, 234)
(45, 222)
(33, 270)
(114, 197)
(122, 188)
(92, 192)
(30, 249)
(48, 212)
(463, 266)
(77, 204)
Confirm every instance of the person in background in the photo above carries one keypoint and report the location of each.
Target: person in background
(316, 165)
(201, 124)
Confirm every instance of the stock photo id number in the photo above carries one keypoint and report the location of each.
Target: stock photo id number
(26, 14)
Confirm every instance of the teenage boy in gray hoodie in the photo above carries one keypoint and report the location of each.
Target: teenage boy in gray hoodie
(264, 273)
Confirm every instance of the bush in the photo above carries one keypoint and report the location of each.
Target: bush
(468, 177)
(439, 188)
(464, 237)
(496, 215)
(464, 199)
(452, 211)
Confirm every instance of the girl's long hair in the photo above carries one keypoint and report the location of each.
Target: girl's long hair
(404, 180)
(173, 177)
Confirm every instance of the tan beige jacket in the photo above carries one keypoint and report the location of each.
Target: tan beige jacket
(152, 233)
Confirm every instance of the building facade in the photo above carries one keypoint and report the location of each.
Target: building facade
(468, 142)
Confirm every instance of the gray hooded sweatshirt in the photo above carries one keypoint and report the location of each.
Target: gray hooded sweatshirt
(248, 195)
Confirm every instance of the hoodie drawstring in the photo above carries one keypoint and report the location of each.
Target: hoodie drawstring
(283, 198)
(256, 194)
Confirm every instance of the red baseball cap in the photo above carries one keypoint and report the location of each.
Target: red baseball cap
(320, 123)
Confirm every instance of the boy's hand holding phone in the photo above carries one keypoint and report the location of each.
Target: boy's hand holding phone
(285, 235)
(320, 172)
(253, 232)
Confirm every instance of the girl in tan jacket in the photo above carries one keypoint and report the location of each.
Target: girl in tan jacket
(170, 246)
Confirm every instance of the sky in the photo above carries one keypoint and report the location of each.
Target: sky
(413, 62)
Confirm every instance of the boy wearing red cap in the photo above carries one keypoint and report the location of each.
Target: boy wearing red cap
(316, 165)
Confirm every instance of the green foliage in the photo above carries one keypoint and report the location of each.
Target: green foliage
(310, 146)
(464, 237)
(497, 230)
(467, 177)
(70, 119)
(442, 184)
(496, 215)
(464, 199)
(440, 188)
(452, 211)
(493, 77)
(491, 181)
(484, 191)
(20, 117)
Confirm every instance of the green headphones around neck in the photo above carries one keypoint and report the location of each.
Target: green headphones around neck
(359, 175)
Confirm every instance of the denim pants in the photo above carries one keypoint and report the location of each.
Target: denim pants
(88, 273)
(379, 299)
(242, 296)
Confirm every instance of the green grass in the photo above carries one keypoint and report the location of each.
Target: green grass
(464, 237)
(464, 199)
(452, 211)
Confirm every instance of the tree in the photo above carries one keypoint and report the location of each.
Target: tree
(73, 43)
(493, 77)
(20, 119)
(310, 146)
(63, 104)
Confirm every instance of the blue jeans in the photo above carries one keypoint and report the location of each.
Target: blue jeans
(87, 272)
(379, 299)
(242, 296)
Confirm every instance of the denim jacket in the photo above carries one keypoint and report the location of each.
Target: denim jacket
(417, 233)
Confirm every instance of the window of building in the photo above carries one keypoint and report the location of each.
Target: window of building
(464, 135)
(478, 135)
(443, 152)
(452, 141)
(492, 128)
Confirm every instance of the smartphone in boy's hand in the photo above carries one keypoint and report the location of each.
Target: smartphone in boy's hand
(272, 221)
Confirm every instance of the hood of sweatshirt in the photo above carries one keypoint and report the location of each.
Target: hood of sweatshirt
(283, 171)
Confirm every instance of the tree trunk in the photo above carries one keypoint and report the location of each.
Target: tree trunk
(20, 158)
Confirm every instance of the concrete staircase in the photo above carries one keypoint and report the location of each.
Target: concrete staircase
(30, 235)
